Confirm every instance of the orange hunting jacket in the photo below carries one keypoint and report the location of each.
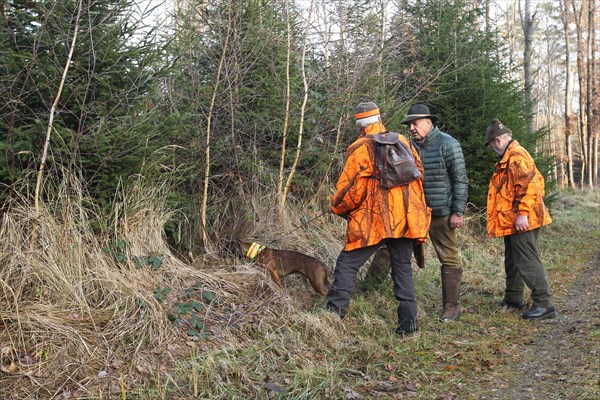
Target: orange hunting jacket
(375, 213)
(516, 188)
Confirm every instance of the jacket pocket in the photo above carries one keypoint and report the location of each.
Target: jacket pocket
(507, 219)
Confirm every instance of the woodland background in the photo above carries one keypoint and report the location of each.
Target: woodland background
(138, 139)
(223, 100)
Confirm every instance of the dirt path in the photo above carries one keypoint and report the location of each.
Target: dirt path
(563, 359)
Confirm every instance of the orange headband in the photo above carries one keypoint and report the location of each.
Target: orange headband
(366, 114)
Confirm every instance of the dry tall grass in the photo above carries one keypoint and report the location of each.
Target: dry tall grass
(78, 323)
(71, 313)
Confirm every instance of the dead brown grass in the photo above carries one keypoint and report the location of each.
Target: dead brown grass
(78, 323)
(71, 314)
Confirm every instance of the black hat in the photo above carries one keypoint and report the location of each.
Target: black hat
(418, 111)
(495, 129)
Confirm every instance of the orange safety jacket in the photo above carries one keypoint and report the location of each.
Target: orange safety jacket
(375, 213)
(516, 188)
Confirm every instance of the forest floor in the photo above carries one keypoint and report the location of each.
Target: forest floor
(562, 360)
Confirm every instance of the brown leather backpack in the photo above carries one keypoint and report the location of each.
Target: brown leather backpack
(395, 163)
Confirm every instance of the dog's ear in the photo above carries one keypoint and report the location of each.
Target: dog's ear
(244, 247)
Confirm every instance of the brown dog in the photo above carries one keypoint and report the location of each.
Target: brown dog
(281, 263)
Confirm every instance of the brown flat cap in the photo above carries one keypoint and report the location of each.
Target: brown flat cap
(495, 129)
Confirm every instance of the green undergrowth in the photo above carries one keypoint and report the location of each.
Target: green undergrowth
(308, 353)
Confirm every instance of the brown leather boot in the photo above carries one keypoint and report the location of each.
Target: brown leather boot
(450, 292)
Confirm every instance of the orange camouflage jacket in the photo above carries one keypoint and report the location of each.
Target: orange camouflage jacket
(516, 188)
(375, 213)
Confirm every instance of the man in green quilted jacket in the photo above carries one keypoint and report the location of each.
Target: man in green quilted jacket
(445, 185)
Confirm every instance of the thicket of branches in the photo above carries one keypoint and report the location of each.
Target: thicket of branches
(239, 99)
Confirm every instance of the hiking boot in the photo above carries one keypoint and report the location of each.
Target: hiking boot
(537, 312)
(519, 305)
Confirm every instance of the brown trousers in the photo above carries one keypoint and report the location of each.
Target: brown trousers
(443, 239)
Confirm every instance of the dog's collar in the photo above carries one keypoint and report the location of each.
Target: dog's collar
(254, 249)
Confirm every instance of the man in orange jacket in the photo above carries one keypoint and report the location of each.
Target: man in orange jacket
(516, 211)
(396, 217)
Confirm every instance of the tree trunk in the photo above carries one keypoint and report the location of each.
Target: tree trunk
(570, 162)
(302, 108)
(486, 5)
(287, 110)
(567, 106)
(581, 78)
(204, 201)
(40, 174)
(527, 22)
(590, 96)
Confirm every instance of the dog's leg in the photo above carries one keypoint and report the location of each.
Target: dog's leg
(275, 275)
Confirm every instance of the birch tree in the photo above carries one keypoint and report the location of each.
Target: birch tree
(592, 137)
(528, 25)
(568, 132)
(302, 107)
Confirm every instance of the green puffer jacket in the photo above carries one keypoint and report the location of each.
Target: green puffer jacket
(445, 182)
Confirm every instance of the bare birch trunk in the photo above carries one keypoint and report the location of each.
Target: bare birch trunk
(208, 132)
(527, 22)
(486, 5)
(581, 78)
(591, 156)
(570, 159)
(303, 108)
(344, 115)
(287, 109)
(567, 105)
(40, 174)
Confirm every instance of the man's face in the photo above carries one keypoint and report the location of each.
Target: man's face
(419, 128)
(497, 146)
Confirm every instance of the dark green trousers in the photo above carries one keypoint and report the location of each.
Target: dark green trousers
(523, 266)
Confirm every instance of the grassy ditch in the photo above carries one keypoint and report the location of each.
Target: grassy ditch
(131, 321)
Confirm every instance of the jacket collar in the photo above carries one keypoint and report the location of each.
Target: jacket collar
(433, 133)
(375, 128)
(506, 155)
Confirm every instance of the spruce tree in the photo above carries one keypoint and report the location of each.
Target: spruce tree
(459, 70)
(101, 125)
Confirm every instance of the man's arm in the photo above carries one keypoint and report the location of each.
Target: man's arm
(457, 176)
(350, 190)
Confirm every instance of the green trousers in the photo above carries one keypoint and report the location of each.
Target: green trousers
(523, 266)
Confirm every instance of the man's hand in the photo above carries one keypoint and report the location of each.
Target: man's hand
(522, 223)
(456, 221)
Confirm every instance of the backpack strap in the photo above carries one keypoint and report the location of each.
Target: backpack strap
(386, 137)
